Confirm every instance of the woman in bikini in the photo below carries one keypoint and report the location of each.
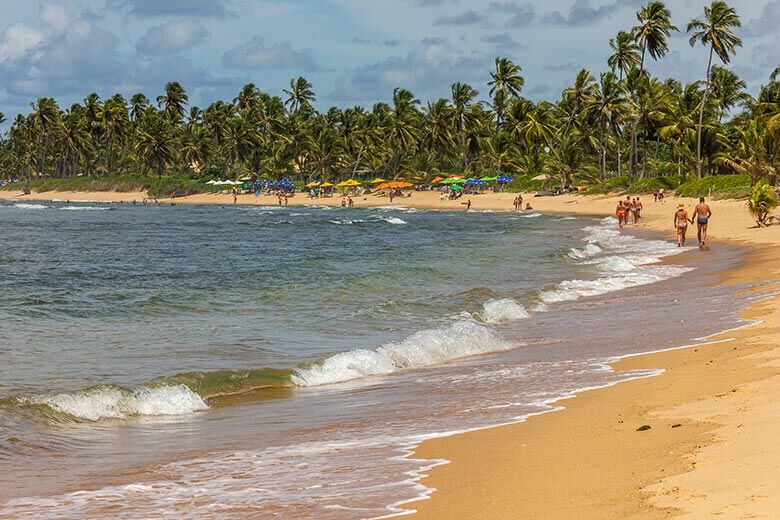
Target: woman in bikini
(620, 213)
(681, 224)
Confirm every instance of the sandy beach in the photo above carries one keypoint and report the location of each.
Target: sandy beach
(710, 447)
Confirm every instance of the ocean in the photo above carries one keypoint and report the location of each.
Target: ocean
(266, 362)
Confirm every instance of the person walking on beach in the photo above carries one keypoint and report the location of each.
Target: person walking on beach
(681, 224)
(638, 208)
(702, 212)
(467, 204)
(620, 213)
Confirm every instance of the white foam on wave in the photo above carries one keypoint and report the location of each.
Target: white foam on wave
(532, 215)
(24, 205)
(83, 208)
(107, 402)
(394, 220)
(346, 221)
(570, 290)
(590, 249)
(503, 310)
(422, 349)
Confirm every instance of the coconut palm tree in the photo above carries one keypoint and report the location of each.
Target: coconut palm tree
(44, 121)
(173, 102)
(606, 105)
(625, 53)
(505, 82)
(462, 97)
(300, 94)
(715, 30)
(728, 90)
(652, 35)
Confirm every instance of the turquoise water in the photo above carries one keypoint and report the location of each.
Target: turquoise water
(280, 360)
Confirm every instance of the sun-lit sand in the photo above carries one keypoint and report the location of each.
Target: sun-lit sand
(712, 449)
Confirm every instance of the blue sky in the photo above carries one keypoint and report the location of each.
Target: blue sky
(353, 51)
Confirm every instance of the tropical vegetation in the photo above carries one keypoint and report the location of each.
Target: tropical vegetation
(618, 127)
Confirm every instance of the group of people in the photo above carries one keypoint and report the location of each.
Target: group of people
(347, 202)
(701, 216)
(628, 209)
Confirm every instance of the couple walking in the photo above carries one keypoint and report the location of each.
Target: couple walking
(701, 213)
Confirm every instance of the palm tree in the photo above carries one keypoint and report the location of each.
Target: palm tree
(173, 102)
(156, 144)
(462, 96)
(651, 34)
(716, 31)
(300, 94)
(504, 82)
(653, 31)
(606, 105)
(625, 53)
(579, 95)
(44, 121)
(728, 90)
(138, 105)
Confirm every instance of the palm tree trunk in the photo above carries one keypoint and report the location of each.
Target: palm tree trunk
(634, 152)
(701, 114)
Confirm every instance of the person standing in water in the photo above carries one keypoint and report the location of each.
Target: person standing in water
(681, 224)
(620, 213)
(702, 213)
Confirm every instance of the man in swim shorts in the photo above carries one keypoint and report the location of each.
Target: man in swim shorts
(702, 214)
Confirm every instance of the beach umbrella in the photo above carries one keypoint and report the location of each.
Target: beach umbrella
(350, 183)
(542, 177)
(489, 179)
(437, 179)
(504, 180)
(212, 182)
(245, 179)
(453, 180)
(456, 187)
(313, 184)
(326, 185)
(378, 180)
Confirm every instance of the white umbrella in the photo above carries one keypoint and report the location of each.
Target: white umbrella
(542, 177)
(212, 182)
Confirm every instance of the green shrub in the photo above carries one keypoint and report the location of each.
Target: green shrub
(761, 203)
(717, 186)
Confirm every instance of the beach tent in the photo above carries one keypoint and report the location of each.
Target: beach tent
(350, 183)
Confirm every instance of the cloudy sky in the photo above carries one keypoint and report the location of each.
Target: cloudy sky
(353, 51)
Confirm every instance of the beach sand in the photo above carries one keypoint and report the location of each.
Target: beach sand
(711, 450)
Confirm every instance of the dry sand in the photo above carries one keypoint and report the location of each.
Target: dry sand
(712, 450)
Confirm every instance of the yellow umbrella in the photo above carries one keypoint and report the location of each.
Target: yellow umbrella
(378, 180)
(326, 185)
(313, 184)
(351, 183)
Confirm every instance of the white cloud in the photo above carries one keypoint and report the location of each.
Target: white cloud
(254, 54)
(173, 36)
(17, 40)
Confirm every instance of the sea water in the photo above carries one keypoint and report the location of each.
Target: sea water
(217, 362)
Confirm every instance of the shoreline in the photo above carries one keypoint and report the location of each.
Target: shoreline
(591, 457)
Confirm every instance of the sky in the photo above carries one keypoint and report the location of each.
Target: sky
(354, 52)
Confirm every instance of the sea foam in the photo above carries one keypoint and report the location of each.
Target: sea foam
(111, 402)
(422, 349)
(499, 311)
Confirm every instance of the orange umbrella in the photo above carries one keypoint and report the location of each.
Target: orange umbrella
(437, 179)
(394, 185)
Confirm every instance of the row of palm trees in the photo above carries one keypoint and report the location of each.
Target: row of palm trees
(621, 122)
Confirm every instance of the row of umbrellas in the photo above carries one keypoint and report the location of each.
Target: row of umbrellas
(378, 183)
